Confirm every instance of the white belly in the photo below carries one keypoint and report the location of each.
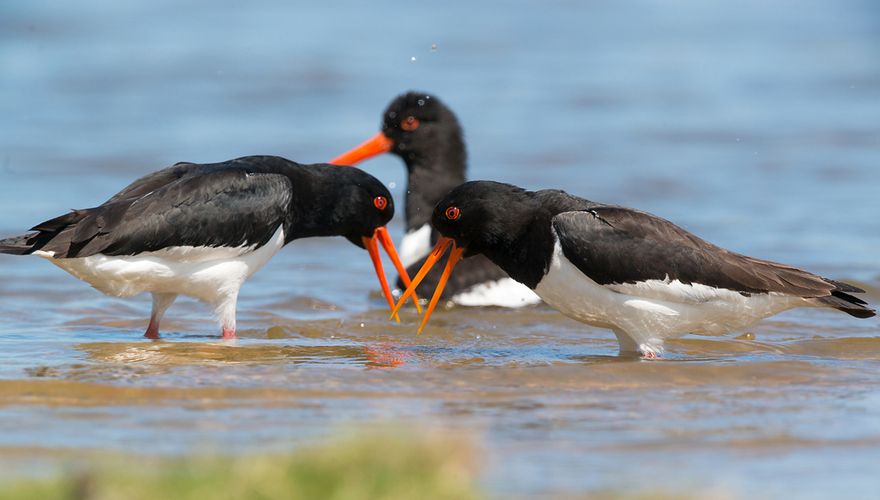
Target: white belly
(206, 273)
(643, 315)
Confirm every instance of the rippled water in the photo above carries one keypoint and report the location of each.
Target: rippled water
(751, 123)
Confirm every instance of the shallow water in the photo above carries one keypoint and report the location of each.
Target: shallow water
(753, 125)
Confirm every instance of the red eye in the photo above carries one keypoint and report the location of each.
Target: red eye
(453, 213)
(380, 202)
(410, 123)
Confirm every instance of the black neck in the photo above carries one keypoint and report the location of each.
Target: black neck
(526, 256)
(431, 175)
(322, 204)
(525, 253)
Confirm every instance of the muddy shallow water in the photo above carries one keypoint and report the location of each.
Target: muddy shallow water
(750, 124)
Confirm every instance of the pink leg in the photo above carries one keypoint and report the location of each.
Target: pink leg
(225, 310)
(161, 302)
(152, 329)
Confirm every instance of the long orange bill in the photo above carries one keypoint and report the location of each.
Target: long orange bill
(439, 249)
(373, 146)
(433, 257)
(454, 257)
(388, 245)
(373, 249)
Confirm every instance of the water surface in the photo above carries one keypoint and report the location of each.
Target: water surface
(751, 123)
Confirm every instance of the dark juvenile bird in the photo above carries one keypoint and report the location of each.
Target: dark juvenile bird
(613, 267)
(426, 135)
(203, 229)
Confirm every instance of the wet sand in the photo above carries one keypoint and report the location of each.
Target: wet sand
(546, 399)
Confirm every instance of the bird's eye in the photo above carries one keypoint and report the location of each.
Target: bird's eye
(409, 123)
(380, 202)
(453, 213)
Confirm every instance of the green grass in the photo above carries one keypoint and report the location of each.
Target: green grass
(386, 466)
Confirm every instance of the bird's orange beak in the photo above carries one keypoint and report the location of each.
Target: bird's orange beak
(381, 236)
(373, 146)
(433, 257)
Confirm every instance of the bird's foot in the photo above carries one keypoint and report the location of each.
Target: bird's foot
(650, 352)
(152, 330)
(228, 333)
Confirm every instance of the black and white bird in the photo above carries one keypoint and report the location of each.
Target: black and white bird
(201, 230)
(426, 135)
(641, 276)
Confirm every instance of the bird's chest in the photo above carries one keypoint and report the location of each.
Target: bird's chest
(568, 290)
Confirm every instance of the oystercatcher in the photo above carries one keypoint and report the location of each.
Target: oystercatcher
(641, 276)
(425, 133)
(203, 229)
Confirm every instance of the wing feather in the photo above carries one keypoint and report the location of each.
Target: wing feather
(229, 207)
(615, 245)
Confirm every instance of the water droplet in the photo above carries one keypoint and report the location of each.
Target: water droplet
(421, 102)
(412, 59)
(738, 139)
(392, 114)
(433, 47)
(362, 325)
(392, 185)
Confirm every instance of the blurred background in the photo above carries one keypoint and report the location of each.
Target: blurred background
(754, 124)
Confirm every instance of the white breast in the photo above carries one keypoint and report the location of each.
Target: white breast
(207, 273)
(416, 244)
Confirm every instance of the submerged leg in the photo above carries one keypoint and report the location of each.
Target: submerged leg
(645, 346)
(225, 311)
(161, 303)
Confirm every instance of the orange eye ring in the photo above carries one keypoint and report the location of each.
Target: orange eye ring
(380, 202)
(452, 213)
(409, 123)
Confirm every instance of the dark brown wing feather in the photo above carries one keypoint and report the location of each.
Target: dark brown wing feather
(237, 208)
(616, 245)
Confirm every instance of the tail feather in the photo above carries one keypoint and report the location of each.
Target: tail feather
(60, 222)
(845, 302)
(18, 245)
(845, 287)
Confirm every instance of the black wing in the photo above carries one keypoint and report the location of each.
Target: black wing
(615, 245)
(229, 207)
(156, 180)
(161, 178)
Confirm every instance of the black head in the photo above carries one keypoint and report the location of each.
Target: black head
(482, 216)
(345, 201)
(422, 131)
(420, 126)
(502, 221)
